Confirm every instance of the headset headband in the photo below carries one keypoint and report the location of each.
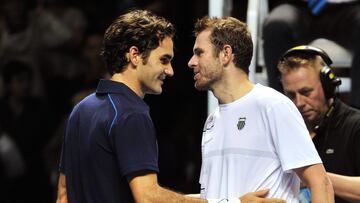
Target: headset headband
(308, 50)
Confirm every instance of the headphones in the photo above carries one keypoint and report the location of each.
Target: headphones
(328, 80)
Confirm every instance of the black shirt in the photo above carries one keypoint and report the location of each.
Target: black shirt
(338, 141)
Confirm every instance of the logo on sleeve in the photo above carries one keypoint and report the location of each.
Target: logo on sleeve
(241, 123)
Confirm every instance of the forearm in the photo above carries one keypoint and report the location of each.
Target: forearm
(162, 195)
(318, 182)
(322, 191)
(346, 187)
(145, 189)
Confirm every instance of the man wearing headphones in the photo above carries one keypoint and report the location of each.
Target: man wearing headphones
(293, 22)
(334, 126)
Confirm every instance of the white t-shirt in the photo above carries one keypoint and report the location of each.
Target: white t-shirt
(253, 143)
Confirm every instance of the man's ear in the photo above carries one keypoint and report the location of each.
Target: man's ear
(133, 55)
(226, 55)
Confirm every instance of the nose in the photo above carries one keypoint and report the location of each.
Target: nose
(299, 101)
(192, 62)
(169, 71)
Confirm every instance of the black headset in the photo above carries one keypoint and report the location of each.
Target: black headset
(328, 80)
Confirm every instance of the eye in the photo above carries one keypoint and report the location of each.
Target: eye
(306, 92)
(165, 60)
(198, 52)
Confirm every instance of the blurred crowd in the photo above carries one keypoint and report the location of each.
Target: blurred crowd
(49, 59)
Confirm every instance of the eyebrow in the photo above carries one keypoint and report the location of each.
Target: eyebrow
(300, 91)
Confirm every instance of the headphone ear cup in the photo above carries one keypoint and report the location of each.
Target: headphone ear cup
(329, 82)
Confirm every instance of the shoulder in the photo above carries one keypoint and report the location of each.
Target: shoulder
(85, 105)
(349, 116)
(87, 101)
(269, 97)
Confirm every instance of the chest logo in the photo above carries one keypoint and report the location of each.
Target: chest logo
(329, 151)
(241, 123)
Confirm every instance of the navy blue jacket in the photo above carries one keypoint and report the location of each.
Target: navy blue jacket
(109, 135)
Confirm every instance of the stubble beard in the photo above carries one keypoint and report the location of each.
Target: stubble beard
(202, 86)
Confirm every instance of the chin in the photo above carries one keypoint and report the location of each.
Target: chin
(156, 91)
(201, 87)
(310, 118)
(153, 89)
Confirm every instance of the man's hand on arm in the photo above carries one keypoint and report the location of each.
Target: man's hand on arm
(145, 188)
(259, 197)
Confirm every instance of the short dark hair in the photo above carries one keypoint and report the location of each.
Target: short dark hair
(231, 31)
(139, 28)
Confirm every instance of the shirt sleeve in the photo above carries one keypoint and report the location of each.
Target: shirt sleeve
(291, 138)
(134, 140)
(62, 160)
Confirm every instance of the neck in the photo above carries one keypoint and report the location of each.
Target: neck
(129, 79)
(232, 89)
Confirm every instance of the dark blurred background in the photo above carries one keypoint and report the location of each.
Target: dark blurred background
(49, 60)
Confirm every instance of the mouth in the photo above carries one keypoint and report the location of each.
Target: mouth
(161, 78)
(197, 76)
(306, 113)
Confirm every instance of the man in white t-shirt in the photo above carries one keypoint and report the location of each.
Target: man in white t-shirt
(256, 138)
